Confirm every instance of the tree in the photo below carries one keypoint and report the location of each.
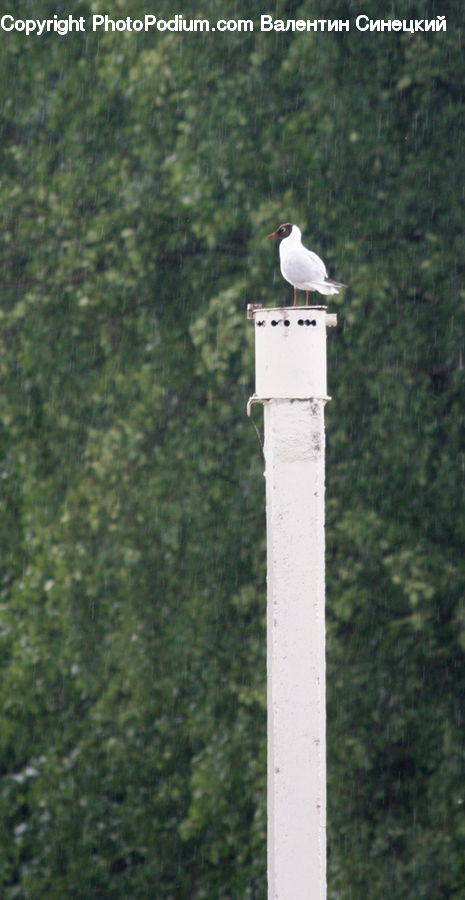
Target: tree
(139, 173)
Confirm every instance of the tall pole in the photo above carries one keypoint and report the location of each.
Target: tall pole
(290, 346)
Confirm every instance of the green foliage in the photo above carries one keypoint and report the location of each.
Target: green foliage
(138, 176)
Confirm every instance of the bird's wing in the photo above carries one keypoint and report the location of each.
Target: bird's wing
(304, 266)
(316, 263)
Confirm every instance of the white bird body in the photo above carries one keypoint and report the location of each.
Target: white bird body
(301, 267)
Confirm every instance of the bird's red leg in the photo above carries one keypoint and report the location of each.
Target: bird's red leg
(295, 296)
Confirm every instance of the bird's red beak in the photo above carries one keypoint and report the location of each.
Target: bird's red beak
(273, 234)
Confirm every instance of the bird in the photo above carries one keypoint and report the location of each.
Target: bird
(301, 267)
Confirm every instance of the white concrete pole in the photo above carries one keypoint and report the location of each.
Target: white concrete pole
(291, 383)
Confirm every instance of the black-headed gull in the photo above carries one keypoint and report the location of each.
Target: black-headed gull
(301, 267)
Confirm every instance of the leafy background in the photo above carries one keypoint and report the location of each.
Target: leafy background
(139, 174)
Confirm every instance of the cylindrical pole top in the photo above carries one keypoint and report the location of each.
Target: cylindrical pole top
(290, 351)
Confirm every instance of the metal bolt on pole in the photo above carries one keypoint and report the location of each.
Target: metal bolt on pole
(290, 355)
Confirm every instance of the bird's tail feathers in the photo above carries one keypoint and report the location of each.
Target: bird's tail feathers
(338, 284)
(330, 287)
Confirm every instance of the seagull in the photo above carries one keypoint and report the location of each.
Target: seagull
(301, 267)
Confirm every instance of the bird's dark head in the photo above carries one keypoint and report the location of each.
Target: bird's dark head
(282, 232)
